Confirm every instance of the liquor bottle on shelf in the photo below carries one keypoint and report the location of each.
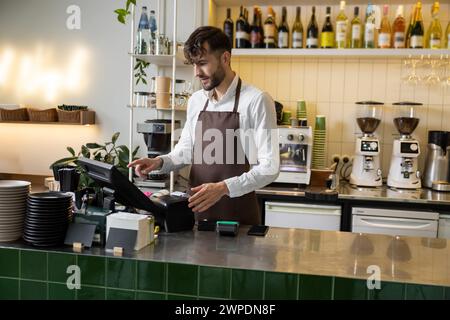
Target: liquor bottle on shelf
(242, 38)
(410, 25)
(228, 26)
(384, 36)
(398, 30)
(297, 31)
(369, 28)
(269, 30)
(247, 25)
(143, 34)
(341, 28)
(447, 37)
(256, 36)
(356, 35)
(283, 30)
(327, 35)
(434, 34)
(312, 33)
(417, 30)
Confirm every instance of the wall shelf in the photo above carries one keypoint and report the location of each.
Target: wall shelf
(339, 53)
(163, 60)
(52, 123)
(223, 3)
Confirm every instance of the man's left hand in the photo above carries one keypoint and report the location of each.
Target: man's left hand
(206, 195)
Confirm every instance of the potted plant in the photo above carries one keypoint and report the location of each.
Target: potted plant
(109, 152)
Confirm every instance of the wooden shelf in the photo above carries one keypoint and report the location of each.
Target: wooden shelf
(339, 53)
(87, 117)
(52, 123)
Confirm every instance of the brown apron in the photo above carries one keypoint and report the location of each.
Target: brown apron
(243, 209)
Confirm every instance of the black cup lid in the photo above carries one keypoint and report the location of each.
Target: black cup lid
(407, 103)
(439, 138)
(367, 103)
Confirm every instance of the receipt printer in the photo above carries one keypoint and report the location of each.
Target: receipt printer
(172, 213)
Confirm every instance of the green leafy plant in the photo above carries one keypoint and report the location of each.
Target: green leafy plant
(108, 152)
(123, 13)
(140, 73)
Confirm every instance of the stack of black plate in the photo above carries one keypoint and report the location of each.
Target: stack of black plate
(47, 218)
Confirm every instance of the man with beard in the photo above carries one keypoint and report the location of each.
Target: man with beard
(222, 189)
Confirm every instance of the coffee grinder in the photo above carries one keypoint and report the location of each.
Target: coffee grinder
(157, 135)
(366, 169)
(403, 172)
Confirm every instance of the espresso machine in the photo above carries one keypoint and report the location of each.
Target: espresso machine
(366, 169)
(295, 154)
(157, 135)
(436, 173)
(404, 172)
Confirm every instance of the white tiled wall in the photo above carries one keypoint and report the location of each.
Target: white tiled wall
(331, 87)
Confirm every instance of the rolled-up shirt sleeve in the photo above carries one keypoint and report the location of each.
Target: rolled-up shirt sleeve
(265, 170)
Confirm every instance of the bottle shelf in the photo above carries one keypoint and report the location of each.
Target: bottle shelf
(339, 53)
(163, 60)
(249, 3)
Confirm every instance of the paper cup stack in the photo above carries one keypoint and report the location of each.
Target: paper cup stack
(13, 206)
(319, 143)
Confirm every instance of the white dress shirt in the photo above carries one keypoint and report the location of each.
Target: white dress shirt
(257, 112)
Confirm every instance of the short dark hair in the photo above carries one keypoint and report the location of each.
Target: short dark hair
(215, 37)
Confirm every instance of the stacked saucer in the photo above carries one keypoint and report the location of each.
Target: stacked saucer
(47, 218)
(13, 205)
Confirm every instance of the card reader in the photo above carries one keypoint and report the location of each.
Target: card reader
(228, 228)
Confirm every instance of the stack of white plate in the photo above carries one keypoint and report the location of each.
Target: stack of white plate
(13, 206)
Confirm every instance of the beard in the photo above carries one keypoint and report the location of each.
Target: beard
(215, 79)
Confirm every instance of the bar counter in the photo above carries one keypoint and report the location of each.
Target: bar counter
(286, 264)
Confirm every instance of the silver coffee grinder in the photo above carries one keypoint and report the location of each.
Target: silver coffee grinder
(366, 169)
(404, 172)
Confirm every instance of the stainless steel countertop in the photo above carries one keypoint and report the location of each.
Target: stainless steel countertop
(328, 253)
(384, 194)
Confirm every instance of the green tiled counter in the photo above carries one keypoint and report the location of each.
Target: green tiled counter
(287, 264)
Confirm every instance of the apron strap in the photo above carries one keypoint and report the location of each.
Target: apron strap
(238, 94)
(236, 98)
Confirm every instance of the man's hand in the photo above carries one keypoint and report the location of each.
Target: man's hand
(143, 166)
(206, 195)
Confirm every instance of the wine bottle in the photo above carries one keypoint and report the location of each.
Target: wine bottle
(356, 36)
(242, 38)
(398, 29)
(297, 31)
(327, 35)
(434, 34)
(384, 36)
(341, 27)
(447, 38)
(269, 30)
(410, 25)
(369, 28)
(283, 30)
(256, 37)
(228, 26)
(417, 30)
(312, 33)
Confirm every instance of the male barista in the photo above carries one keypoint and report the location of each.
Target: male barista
(223, 184)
